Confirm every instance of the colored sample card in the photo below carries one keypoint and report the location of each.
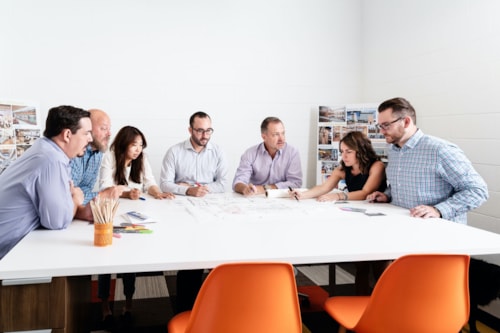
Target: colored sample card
(131, 230)
(374, 214)
(138, 215)
(353, 209)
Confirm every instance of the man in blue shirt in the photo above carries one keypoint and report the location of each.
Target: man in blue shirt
(85, 169)
(36, 189)
(428, 175)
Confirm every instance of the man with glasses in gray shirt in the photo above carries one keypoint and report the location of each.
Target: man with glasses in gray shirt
(194, 167)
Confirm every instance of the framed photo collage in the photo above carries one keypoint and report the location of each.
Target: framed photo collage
(334, 123)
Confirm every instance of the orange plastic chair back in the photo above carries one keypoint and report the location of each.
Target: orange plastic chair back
(416, 293)
(244, 298)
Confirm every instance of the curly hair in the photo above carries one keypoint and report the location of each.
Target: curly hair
(365, 154)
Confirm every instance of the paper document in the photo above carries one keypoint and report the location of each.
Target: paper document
(282, 193)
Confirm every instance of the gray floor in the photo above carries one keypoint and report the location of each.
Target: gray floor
(155, 286)
(150, 287)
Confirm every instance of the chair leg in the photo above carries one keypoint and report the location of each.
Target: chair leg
(332, 278)
(342, 329)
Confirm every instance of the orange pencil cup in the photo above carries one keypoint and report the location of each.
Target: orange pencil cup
(103, 234)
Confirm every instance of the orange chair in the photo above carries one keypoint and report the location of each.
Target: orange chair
(244, 298)
(415, 294)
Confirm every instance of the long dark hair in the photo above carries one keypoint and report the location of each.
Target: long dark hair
(365, 154)
(120, 144)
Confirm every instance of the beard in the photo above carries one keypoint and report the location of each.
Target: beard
(99, 145)
(199, 142)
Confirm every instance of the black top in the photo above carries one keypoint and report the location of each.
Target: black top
(356, 183)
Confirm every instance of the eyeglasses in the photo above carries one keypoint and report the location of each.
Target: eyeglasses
(201, 131)
(386, 126)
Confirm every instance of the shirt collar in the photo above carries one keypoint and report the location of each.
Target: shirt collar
(414, 139)
(56, 147)
(89, 152)
(262, 149)
(189, 146)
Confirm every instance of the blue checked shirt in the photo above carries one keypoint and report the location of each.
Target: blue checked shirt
(434, 172)
(84, 172)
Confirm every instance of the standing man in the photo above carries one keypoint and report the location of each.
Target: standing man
(271, 164)
(85, 169)
(194, 167)
(36, 190)
(430, 176)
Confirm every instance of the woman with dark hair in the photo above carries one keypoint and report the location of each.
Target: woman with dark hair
(360, 167)
(363, 173)
(126, 164)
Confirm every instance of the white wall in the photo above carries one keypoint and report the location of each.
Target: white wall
(444, 57)
(153, 63)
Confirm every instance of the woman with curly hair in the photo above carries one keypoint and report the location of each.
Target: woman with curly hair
(363, 173)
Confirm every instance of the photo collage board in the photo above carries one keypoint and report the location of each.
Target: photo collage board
(334, 123)
(19, 128)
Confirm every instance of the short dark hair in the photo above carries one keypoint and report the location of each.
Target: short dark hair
(198, 114)
(400, 108)
(63, 117)
(267, 121)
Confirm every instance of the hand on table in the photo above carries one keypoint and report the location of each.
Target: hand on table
(164, 195)
(197, 191)
(425, 212)
(377, 197)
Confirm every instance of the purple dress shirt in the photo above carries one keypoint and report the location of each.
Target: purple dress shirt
(257, 167)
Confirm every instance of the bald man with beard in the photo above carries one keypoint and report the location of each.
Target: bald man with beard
(85, 168)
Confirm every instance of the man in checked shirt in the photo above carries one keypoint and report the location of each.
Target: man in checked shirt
(85, 169)
(428, 175)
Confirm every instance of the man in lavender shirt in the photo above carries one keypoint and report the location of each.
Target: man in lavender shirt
(272, 164)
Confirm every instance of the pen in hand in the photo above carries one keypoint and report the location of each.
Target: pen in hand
(295, 194)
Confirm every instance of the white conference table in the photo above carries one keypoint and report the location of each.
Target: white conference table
(204, 232)
(47, 274)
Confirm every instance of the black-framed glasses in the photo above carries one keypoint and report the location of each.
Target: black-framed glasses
(386, 126)
(201, 131)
